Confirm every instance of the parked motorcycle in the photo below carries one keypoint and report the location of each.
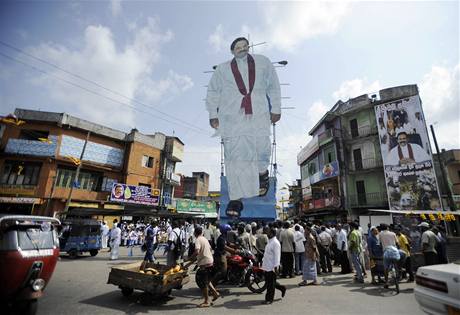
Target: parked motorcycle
(243, 270)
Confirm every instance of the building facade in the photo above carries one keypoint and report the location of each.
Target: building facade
(39, 160)
(342, 171)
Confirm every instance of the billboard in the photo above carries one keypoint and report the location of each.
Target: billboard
(141, 195)
(406, 154)
(255, 208)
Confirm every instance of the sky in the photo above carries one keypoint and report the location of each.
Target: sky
(146, 64)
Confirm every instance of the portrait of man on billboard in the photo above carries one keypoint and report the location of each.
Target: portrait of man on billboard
(405, 152)
(243, 100)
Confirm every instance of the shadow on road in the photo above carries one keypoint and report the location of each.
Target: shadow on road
(134, 304)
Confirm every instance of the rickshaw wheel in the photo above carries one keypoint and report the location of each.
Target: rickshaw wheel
(93, 252)
(127, 291)
(73, 253)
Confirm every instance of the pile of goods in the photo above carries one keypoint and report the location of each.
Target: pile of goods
(155, 272)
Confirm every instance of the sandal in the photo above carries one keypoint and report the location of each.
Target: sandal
(264, 184)
(204, 305)
(303, 283)
(216, 297)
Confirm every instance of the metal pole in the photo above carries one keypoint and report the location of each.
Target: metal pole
(443, 175)
(51, 193)
(77, 173)
(222, 157)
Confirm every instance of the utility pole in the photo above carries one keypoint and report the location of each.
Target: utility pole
(74, 181)
(445, 185)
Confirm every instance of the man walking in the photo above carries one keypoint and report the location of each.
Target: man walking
(243, 100)
(204, 261)
(270, 263)
(115, 239)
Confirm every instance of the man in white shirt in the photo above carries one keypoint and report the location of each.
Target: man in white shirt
(342, 246)
(406, 153)
(299, 239)
(104, 234)
(115, 239)
(174, 245)
(325, 242)
(270, 262)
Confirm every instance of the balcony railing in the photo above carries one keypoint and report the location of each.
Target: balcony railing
(328, 135)
(368, 199)
(32, 147)
(359, 132)
(365, 164)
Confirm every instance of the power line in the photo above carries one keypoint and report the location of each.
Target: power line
(195, 129)
(97, 84)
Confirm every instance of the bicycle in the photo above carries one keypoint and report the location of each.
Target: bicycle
(394, 274)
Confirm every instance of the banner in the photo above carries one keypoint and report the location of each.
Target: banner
(406, 154)
(141, 195)
(195, 206)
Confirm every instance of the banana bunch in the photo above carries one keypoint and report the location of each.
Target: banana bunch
(150, 271)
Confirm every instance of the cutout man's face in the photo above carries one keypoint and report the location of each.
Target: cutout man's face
(241, 49)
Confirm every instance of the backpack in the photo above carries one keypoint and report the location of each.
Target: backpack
(177, 250)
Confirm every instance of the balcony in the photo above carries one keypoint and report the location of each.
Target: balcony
(360, 132)
(328, 135)
(315, 204)
(18, 190)
(365, 164)
(368, 200)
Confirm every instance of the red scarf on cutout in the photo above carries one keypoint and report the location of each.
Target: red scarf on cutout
(409, 149)
(246, 103)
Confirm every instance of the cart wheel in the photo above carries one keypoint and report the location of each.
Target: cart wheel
(93, 252)
(127, 291)
(73, 253)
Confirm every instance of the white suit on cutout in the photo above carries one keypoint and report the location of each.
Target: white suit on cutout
(246, 137)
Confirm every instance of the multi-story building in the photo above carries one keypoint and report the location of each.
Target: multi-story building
(195, 187)
(320, 168)
(451, 161)
(341, 167)
(39, 160)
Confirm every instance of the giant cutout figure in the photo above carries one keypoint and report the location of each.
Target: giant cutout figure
(243, 100)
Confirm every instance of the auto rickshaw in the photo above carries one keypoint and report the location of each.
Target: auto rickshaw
(29, 251)
(79, 236)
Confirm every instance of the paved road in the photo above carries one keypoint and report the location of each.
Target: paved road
(80, 287)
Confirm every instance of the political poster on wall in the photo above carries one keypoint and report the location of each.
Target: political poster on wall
(141, 195)
(408, 164)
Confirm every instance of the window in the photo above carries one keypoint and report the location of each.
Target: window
(20, 173)
(86, 180)
(312, 168)
(147, 161)
(28, 134)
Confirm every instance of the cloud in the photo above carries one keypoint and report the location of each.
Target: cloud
(439, 91)
(286, 25)
(124, 70)
(356, 87)
(217, 40)
(172, 85)
(115, 7)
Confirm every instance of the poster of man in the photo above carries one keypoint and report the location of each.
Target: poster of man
(406, 153)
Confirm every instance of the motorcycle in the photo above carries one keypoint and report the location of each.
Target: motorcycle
(243, 270)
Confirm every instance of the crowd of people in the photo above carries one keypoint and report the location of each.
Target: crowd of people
(286, 249)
